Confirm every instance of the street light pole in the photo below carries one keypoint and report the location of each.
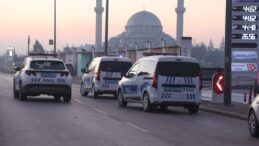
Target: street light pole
(106, 28)
(55, 36)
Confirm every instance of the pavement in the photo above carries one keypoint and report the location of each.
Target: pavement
(235, 110)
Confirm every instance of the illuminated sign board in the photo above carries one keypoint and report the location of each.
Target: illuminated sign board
(244, 55)
(245, 41)
(245, 67)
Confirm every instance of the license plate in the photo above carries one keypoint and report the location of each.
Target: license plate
(173, 89)
(48, 75)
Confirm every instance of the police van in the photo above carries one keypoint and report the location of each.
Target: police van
(162, 81)
(103, 75)
(42, 74)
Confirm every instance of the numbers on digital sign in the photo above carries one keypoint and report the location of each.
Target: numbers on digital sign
(245, 27)
(252, 27)
(245, 36)
(245, 18)
(250, 18)
(248, 36)
(250, 9)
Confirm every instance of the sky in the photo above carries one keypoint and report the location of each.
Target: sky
(204, 20)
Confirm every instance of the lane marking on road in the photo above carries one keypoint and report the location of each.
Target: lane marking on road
(79, 101)
(100, 111)
(137, 127)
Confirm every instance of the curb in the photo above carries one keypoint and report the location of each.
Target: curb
(224, 112)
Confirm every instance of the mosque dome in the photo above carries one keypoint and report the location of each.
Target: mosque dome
(144, 22)
(141, 27)
(144, 18)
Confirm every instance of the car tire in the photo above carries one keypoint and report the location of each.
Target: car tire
(82, 90)
(94, 94)
(121, 100)
(15, 92)
(193, 109)
(67, 96)
(147, 106)
(22, 95)
(253, 124)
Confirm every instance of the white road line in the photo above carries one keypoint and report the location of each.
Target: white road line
(100, 111)
(79, 101)
(137, 127)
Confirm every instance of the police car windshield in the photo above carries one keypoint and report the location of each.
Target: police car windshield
(115, 66)
(47, 65)
(179, 69)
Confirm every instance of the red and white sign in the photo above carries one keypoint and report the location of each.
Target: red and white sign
(218, 83)
(248, 67)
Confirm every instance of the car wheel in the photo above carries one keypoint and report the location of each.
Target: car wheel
(193, 109)
(15, 93)
(22, 95)
(94, 94)
(67, 96)
(253, 124)
(147, 106)
(121, 100)
(82, 90)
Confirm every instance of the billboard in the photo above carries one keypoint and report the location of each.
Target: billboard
(245, 41)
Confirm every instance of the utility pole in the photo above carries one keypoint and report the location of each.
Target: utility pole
(106, 27)
(55, 35)
(228, 42)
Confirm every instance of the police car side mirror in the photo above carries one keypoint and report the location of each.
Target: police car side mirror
(83, 70)
(129, 75)
(17, 68)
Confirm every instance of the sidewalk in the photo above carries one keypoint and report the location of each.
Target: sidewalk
(236, 110)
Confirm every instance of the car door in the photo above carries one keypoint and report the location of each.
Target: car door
(129, 86)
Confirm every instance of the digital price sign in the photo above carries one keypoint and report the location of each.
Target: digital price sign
(245, 41)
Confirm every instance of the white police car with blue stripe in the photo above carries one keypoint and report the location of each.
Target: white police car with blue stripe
(162, 81)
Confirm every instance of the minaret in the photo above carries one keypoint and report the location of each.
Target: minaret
(98, 34)
(180, 11)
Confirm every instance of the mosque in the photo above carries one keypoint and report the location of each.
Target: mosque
(143, 30)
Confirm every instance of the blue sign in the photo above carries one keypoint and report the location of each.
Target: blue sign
(244, 55)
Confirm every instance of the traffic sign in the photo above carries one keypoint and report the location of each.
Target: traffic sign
(218, 83)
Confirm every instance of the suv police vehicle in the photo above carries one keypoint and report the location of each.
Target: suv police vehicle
(103, 74)
(162, 81)
(42, 74)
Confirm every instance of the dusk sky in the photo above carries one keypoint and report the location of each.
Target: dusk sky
(203, 20)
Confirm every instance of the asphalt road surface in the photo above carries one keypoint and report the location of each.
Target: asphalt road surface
(100, 122)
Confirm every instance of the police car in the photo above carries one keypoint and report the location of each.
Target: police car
(103, 74)
(253, 118)
(162, 81)
(42, 74)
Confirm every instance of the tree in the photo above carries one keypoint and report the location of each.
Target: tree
(37, 47)
(222, 44)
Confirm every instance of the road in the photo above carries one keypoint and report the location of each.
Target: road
(100, 122)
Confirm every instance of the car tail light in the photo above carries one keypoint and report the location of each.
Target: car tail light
(155, 80)
(97, 75)
(30, 73)
(63, 74)
(200, 78)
